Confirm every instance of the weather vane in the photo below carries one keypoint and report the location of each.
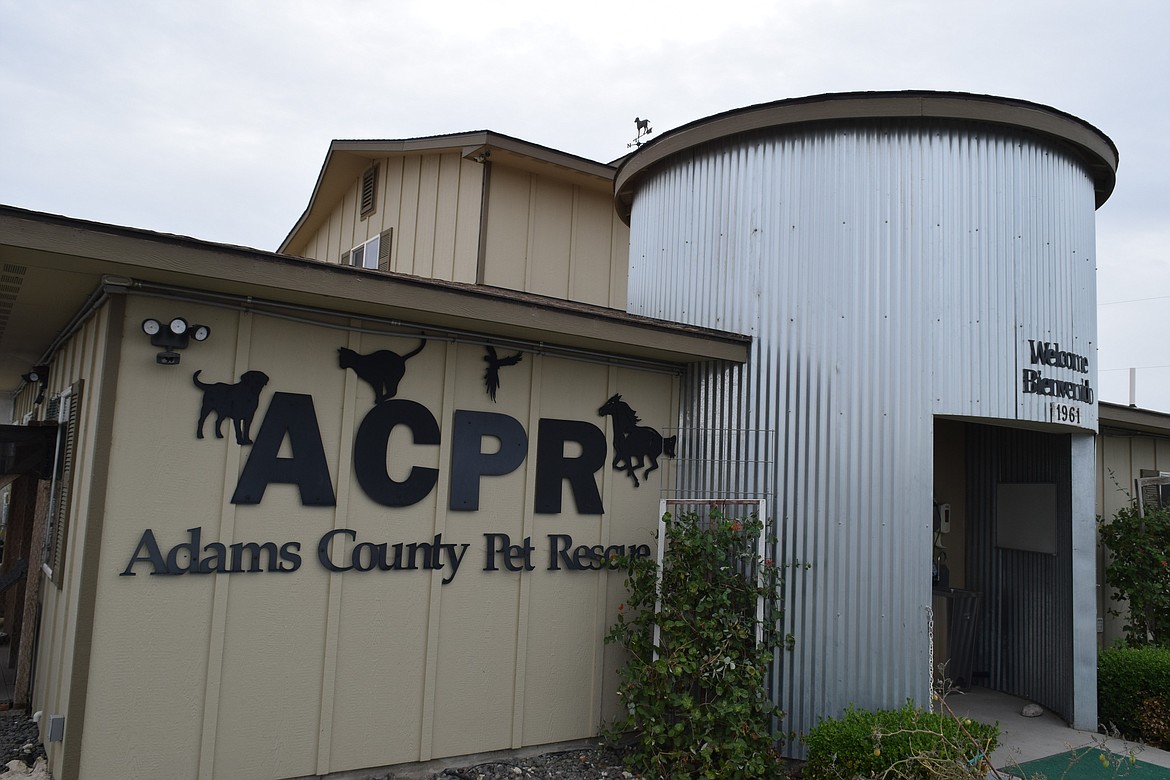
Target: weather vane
(644, 129)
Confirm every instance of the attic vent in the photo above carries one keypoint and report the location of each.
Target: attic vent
(369, 190)
(11, 278)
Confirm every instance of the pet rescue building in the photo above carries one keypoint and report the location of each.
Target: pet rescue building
(875, 310)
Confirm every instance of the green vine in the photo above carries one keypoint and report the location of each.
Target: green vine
(697, 701)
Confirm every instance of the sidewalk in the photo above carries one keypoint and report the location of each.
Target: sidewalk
(1027, 739)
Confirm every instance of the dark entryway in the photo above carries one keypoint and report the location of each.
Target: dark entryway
(1010, 557)
(26, 471)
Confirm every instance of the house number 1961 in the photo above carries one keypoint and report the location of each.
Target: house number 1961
(1065, 413)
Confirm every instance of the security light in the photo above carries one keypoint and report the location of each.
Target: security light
(38, 375)
(175, 336)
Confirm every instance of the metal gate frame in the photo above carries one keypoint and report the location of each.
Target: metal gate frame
(761, 505)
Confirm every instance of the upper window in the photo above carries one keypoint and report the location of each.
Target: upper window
(374, 253)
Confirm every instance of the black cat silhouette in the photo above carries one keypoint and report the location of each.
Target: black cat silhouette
(237, 401)
(381, 370)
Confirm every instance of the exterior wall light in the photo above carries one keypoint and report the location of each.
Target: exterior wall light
(39, 375)
(175, 336)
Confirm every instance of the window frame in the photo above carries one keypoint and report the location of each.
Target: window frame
(57, 525)
(373, 254)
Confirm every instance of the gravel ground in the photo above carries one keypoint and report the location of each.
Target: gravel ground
(585, 764)
(19, 739)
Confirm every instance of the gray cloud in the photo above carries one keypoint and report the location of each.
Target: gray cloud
(212, 118)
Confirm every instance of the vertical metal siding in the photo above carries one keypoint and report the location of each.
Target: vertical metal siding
(889, 271)
(1024, 644)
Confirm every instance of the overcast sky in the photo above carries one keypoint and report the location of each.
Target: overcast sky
(212, 118)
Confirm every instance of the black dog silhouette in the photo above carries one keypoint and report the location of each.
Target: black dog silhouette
(237, 401)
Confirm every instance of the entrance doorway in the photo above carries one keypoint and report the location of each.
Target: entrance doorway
(1003, 593)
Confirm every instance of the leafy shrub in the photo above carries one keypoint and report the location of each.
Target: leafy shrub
(697, 700)
(1131, 682)
(1154, 719)
(1139, 571)
(908, 742)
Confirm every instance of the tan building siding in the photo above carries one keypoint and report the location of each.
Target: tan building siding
(554, 238)
(311, 672)
(430, 201)
(347, 229)
(1121, 457)
(509, 228)
(543, 235)
(62, 655)
(308, 671)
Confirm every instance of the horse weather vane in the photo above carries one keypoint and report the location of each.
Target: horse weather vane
(644, 129)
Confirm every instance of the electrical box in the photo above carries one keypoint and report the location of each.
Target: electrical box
(56, 729)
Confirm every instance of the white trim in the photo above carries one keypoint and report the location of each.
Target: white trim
(368, 251)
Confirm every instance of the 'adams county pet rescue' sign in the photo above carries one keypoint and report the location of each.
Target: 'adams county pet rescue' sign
(292, 417)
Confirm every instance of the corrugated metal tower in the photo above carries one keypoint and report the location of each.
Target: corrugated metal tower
(896, 257)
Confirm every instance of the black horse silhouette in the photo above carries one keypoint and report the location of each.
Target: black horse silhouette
(633, 444)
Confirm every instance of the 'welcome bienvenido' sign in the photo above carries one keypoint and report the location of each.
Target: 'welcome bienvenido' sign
(1045, 353)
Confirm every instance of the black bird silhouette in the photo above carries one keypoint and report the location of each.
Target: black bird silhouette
(491, 376)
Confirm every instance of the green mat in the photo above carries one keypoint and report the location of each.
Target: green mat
(1086, 764)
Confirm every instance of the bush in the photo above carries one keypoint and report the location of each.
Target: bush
(697, 701)
(1154, 719)
(1132, 686)
(908, 742)
(1139, 571)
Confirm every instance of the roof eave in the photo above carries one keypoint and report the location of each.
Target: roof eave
(95, 249)
(346, 159)
(1095, 149)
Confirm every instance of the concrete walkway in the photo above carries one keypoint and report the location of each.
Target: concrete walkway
(1027, 739)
